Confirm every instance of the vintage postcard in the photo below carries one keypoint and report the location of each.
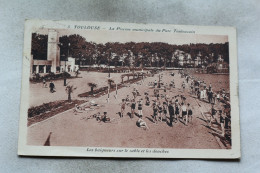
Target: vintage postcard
(94, 89)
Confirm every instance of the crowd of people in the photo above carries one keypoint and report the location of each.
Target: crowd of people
(173, 107)
(165, 108)
(201, 91)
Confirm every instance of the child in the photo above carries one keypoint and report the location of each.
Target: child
(173, 85)
(155, 83)
(104, 118)
(77, 109)
(155, 92)
(189, 113)
(210, 87)
(140, 108)
(97, 116)
(147, 103)
(155, 111)
(183, 98)
(122, 108)
(177, 110)
(157, 95)
(222, 121)
(184, 113)
(127, 98)
(183, 86)
(192, 88)
(171, 112)
(213, 113)
(133, 108)
(160, 111)
(141, 123)
(218, 97)
(134, 93)
(165, 111)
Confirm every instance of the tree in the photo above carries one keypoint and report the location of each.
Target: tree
(135, 54)
(79, 48)
(39, 46)
(92, 86)
(69, 89)
(176, 59)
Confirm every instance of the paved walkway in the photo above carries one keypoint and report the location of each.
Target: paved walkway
(40, 95)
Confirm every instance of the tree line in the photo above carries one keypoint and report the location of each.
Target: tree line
(155, 54)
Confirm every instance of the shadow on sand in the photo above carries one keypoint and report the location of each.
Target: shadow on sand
(48, 142)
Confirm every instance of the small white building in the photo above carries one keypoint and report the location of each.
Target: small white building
(181, 59)
(197, 61)
(68, 66)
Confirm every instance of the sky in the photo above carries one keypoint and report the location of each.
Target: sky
(104, 36)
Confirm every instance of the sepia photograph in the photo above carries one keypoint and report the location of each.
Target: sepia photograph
(128, 89)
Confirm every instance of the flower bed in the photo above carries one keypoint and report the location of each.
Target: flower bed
(47, 110)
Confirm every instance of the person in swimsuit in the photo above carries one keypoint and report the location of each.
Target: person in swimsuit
(223, 92)
(213, 113)
(183, 86)
(165, 111)
(183, 98)
(77, 109)
(154, 92)
(218, 97)
(155, 83)
(222, 121)
(202, 94)
(140, 108)
(171, 112)
(160, 111)
(196, 86)
(141, 123)
(184, 113)
(127, 98)
(133, 108)
(104, 118)
(157, 95)
(134, 93)
(210, 96)
(177, 110)
(122, 108)
(192, 88)
(155, 112)
(147, 103)
(189, 113)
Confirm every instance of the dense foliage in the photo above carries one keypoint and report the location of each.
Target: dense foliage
(125, 54)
